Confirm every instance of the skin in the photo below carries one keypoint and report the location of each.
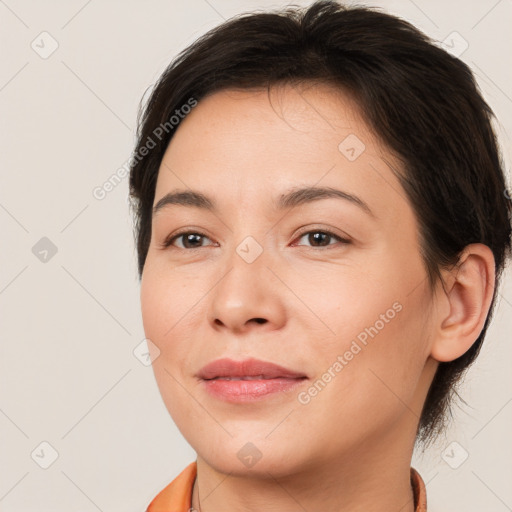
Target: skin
(350, 447)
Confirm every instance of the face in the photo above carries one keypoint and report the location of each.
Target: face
(328, 285)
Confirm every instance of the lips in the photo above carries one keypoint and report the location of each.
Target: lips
(248, 369)
(249, 381)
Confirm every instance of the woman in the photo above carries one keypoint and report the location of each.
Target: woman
(321, 226)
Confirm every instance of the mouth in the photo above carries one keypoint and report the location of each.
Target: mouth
(248, 380)
(248, 369)
(254, 377)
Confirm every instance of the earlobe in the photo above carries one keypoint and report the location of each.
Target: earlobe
(468, 295)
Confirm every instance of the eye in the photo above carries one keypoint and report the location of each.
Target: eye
(322, 238)
(193, 240)
(189, 239)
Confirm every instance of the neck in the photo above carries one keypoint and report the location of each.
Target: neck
(371, 478)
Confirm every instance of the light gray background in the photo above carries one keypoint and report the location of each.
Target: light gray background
(70, 324)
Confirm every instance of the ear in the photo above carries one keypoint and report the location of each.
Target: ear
(464, 304)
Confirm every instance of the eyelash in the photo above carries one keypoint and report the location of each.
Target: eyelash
(170, 240)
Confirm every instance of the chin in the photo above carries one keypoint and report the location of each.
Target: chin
(242, 457)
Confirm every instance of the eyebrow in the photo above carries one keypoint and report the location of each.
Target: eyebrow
(292, 199)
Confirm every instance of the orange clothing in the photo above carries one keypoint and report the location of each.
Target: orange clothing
(177, 496)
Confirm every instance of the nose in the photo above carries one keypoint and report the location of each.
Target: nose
(247, 297)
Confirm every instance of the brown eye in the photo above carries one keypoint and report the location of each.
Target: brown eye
(320, 238)
(189, 240)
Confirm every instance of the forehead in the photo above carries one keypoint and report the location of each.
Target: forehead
(253, 144)
(294, 112)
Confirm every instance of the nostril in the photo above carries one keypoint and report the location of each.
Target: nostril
(260, 320)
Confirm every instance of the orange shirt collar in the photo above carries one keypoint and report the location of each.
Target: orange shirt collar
(177, 496)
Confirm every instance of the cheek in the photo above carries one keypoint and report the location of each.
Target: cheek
(168, 306)
(166, 297)
(342, 303)
(373, 355)
(167, 311)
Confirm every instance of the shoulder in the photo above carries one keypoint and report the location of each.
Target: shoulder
(176, 496)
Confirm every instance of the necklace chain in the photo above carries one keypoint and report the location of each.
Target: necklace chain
(198, 499)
